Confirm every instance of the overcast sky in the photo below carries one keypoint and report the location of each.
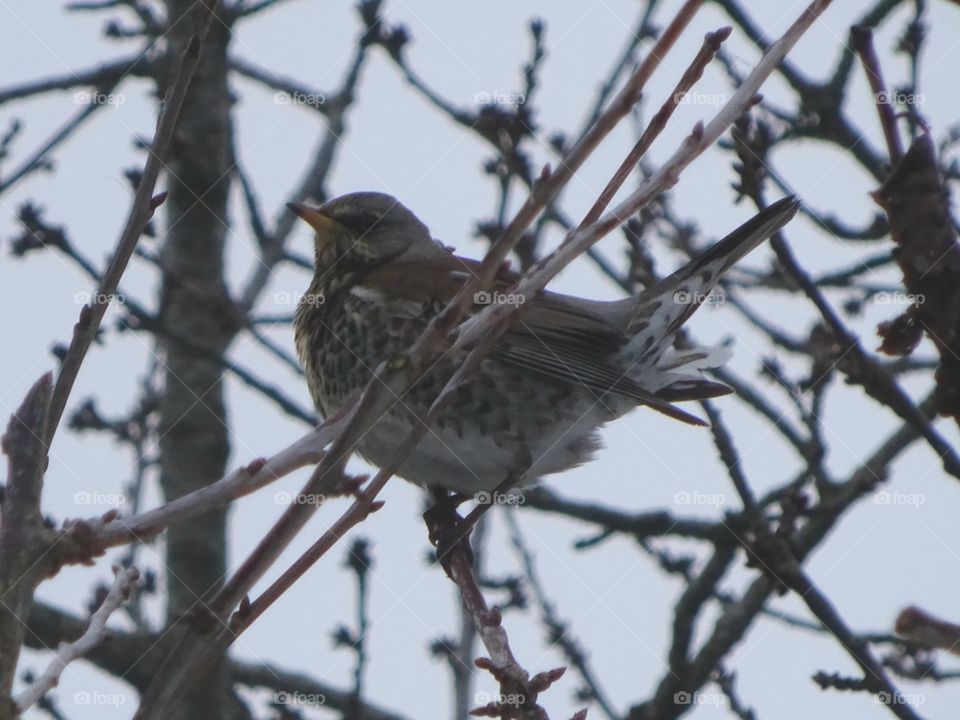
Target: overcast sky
(883, 557)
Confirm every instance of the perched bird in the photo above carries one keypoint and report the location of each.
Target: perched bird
(564, 367)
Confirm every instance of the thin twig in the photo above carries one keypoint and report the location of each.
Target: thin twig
(558, 632)
(711, 44)
(106, 75)
(875, 678)
(485, 327)
(518, 690)
(389, 382)
(391, 378)
(98, 535)
(38, 160)
(144, 204)
(312, 185)
(738, 616)
(862, 41)
(723, 441)
(289, 92)
(124, 580)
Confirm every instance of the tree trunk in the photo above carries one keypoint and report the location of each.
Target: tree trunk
(195, 443)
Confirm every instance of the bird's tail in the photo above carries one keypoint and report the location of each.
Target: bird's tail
(664, 307)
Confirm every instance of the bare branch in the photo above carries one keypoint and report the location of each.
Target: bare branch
(558, 632)
(124, 581)
(737, 616)
(24, 539)
(875, 679)
(862, 40)
(482, 329)
(638, 525)
(284, 682)
(96, 535)
(394, 377)
(314, 181)
(38, 160)
(518, 690)
(144, 204)
(106, 75)
(288, 91)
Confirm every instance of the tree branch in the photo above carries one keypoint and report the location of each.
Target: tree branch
(24, 539)
(144, 204)
(123, 583)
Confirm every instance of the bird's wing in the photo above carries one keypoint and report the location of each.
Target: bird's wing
(568, 338)
(553, 335)
(556, 338)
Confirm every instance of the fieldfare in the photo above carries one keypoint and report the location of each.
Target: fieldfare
(565, 366)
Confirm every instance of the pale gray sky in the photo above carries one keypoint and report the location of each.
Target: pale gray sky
(618, 604)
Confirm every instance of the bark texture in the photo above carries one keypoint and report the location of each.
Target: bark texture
(195, 443)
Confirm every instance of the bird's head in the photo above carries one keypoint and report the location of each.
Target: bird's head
(363, 229)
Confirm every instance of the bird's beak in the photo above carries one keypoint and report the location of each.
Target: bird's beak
(316, 219)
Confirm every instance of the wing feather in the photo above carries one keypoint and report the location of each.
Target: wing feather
(550, 335)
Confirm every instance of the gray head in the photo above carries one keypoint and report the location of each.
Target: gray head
(366, 227)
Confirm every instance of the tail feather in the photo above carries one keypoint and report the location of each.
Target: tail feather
(693, 389)
(664, 307)
(694, 358)
(679, 373)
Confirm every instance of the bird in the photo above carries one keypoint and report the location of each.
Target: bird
(564, 367)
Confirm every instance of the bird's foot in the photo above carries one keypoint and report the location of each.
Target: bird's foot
(449, 533)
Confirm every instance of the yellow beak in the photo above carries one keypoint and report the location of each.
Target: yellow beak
(316, 219)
